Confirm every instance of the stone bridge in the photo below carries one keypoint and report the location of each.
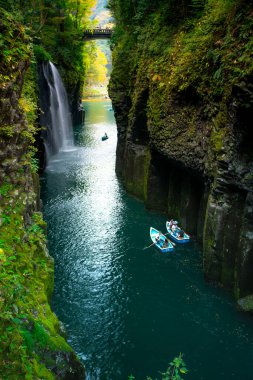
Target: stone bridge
(97, 33)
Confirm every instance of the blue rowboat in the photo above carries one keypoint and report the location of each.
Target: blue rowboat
(163, 244)
(175, 235)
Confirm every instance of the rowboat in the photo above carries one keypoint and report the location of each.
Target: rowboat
(105, 137)
(160, 241)
(174, 235)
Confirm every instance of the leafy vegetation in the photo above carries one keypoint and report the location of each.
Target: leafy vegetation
(31, 342)
(182, 85)
(27, 323)
(175, 371)
(56, 30)
(192, 53)
(96, 78)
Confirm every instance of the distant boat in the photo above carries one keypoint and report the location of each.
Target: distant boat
(105, 137)
(175, 236)
(160, 241)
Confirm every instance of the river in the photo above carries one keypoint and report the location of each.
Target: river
(129, 310)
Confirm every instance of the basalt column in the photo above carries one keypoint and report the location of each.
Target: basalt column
(222, 235)
(187, 199)
(178, 192)
(228, 234)
(134, 152)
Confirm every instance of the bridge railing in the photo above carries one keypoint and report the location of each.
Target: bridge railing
(97, 31)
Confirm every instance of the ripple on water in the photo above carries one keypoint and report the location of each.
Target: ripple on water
(129, 310)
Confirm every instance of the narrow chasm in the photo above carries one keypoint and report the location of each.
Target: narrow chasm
(93, 282)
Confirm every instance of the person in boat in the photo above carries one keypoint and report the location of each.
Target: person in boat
(171, 222)
(157, 238)
(180, 233)
(166, 243)
(174, 228)
(105, 137)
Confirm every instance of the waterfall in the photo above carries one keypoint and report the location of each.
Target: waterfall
(57, 130)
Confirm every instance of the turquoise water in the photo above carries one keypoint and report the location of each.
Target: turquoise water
(129, 310)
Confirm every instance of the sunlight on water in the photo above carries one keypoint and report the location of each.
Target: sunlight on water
(129, 310)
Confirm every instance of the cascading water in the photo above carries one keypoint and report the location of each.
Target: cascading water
(55, 117)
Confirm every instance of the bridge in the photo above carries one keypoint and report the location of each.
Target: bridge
(97, 33)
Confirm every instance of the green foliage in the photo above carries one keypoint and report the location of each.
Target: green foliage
(190, 67)
(41, 54)
(96, 74)
(16, 55)
(34, 164)
(5, 189)
(30, 31)
(36, 338)
(56, 30)
(131, 14)
(28, 327)
(15, 47)
(175, 371)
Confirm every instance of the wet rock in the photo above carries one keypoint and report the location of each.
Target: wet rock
(246, 303)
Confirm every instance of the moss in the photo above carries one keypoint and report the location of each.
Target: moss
(136, 171)
(25, 282)
(29, 96)
(246, 303)
(190, 69)
(146, 172)
(196, 71)
(217, 139)
(208, 237)
(41, 54)
(30, 334)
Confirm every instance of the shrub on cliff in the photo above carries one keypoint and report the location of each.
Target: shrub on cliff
(31, 341)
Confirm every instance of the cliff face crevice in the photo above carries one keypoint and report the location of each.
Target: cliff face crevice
(185, 140)
(77, 113)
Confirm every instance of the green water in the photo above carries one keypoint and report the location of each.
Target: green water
(129, 310)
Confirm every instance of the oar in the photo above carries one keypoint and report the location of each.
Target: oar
(152, 243)
(148, 246)
(170, 240)
(155, 243)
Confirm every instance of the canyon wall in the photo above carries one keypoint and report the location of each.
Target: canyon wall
(182, 93)
(33, 342)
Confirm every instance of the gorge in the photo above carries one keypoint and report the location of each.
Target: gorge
(128, 310)
(181, 91)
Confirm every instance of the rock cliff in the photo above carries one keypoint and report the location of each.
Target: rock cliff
(182, 93)
(33, 345)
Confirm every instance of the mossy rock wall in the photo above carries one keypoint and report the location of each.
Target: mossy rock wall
(135, 172)
(189, 90)
(32, 341)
